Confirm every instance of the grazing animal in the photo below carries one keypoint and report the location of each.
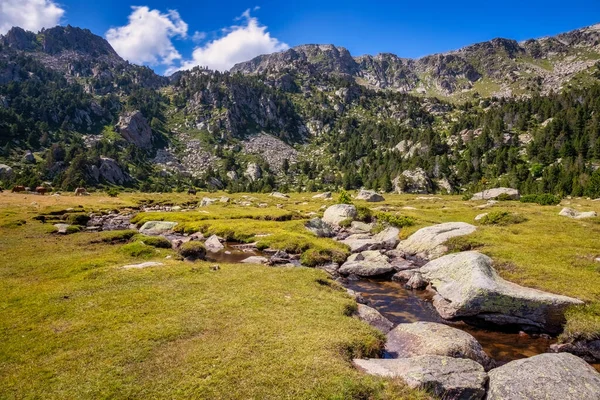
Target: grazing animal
(41, 190)
(192, 191)
(18, 189)
(81, 191)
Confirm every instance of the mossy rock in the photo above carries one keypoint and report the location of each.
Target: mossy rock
(193, 250)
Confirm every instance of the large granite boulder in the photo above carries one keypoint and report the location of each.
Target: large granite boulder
(428, 243)
(111, 172)
(338, 213)
(253, 172)
(571, 213)
(491, 194)
(157, 227)
(367, 263)
(374, 318)
(6, 172)
(413, 181)
(370, 196)
(213, 244)
(546, 376)
(386, 239)
(445, 377)
(468, 286)
(134, 128)
(319, 227)
(430, 338)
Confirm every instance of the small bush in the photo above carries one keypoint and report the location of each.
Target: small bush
(502, 218)
(399, 221)
(73, 229)
(194, 250)
(364, 214)
(467, 196)
(117, 236)
(155, 241)
(345, 223)
(313, 257)
(545, 199)
(504, 197)
(77, 219)
(344, 198)
(112, 192)
(137, 249)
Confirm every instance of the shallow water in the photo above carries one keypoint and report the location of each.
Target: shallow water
(231, 254)
(400, 305)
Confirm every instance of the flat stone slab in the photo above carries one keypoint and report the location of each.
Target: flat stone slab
(428, 243)
(446, 377)
(374, 318)
(157, 227)
(571, 213)
(143, 265)
(255, 260)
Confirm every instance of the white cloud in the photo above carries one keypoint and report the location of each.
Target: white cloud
(198, 36)
(31, 15)
(147, 38)
(239, 43)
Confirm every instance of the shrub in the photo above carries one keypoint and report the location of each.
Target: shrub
(545, 199)
(364, 214)
(313, 257)
(112, 192)
(467, 196)
(73, 229)
(344, 198)
(504, 197)
(137, 249)
(77, 219)
(502, 218)
(345, 223)
(117, 236)
(399, 221)
(155, 241)
(194, 250)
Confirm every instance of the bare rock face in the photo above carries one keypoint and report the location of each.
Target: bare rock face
(430, 338)
(546, 376)
(374, 318)
(468, 286)
(428, 243)
(273, 150)
(413, 181)
(111, 172)
(492, 194)
(253, 172)
(444, 377)
(135, 129)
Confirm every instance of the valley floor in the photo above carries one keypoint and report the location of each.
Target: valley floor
(75, 325)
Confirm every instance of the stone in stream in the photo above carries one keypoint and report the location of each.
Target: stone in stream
(387, 239)
(213, 244)
(428, 243)
(374, 318)
(546, 376)
(468, 286)
(430, 338)
(157, 227)
(571, 213)
(338, 213)
(319, 227)
(589, 350)
(404, 276)
(445, 377)
(368, 263)
(369, 196)
(416, 282)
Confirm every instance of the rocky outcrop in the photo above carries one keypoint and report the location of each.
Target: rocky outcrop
(428, 243)
(574, 214)
(493, 194)
(468, 286)
(273, 150)
(369, 196)
(430, 338)
(367, 264)
(253, 172)
(6, 172)
(338, 213)
(374, 318)
(319, 227)
(413, 181)
(157, 227)
(135, 129)
(546, 376)
(444, 377)
(386, 240)
(111, 172)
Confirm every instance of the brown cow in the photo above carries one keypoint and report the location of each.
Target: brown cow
(41, 190)
(81, 191)
(18, 189)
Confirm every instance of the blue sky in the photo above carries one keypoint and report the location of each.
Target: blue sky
(409, 29)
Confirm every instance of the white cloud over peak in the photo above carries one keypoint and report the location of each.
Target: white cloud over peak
(147, 38)
(31, 15)
(238, 43)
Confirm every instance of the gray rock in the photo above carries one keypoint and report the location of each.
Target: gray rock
(157, 227)
(404, 276)
(323, 196)
(319, 227)
(207, 201)
(360, 227)
(589, 350)
(571, 213)
(546, 376)
(374, 318)
(338, 213)
(413, 181)
(370, 263)
(445, 377)
(388, 238)
(224, 199)
(29, 157)
(430, 338)
(111, 172)
(61, 228)
(416, 282)
(428, 243)
(232, 175)
(213, 244)
(279, 195)
(468, 286)
(135, 129)
(479, 217)
(495, 192)
(253, 172)
(255, 260)
(143, 265)
(6, 172)
(369, 196)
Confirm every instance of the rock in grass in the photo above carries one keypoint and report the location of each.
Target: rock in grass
(213, 244)
(430, 338)
(255, 260)
(323, 196)
(546, 376)
(374, 318)
(494, 193)
(143, 265)
(62, 228)
(338, 213)
(369, 196)
(157, 227)
(428, 243)
(446, 377)
(479, 217)
(279, 195)
(468, 286)
(571, 213)
(319, 227)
